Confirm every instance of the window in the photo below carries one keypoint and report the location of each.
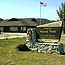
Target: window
(24, 28)
(21, 28)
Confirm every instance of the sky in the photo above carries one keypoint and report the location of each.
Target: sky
(29, 9)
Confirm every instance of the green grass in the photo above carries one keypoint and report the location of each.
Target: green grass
(9, 55)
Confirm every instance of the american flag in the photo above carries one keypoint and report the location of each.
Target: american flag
(43, 4)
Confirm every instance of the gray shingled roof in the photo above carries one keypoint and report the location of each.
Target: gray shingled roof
(43, 21)
(11, 23)
(24, 22)
(29, 22)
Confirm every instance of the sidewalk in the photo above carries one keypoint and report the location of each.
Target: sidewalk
(12, 35)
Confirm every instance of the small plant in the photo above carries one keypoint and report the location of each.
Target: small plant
(22, 47)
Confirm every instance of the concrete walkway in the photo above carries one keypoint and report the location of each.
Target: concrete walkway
(12, 35)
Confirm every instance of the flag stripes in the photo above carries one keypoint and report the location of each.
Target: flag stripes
(43, 4)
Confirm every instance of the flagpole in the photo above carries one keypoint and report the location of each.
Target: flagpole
(40, 14)
(41, 4)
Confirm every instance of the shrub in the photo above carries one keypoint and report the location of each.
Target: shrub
(22, 47)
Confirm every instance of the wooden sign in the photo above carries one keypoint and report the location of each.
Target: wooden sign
(49, 32)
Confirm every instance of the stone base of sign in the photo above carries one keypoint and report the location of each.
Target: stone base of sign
(51, 48)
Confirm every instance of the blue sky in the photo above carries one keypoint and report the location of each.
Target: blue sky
(29, 9)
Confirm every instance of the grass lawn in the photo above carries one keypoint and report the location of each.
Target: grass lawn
(9, 55)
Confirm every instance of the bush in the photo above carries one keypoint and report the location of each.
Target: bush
(22, 47)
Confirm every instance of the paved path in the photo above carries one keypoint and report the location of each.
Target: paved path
(12, 35)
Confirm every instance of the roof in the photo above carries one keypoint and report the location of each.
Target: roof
(29, 22)
(24, 22)
(11, 23)
(44, 21)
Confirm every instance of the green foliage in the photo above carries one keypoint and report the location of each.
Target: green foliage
(61, 12)
(57, 20)
(64, 26)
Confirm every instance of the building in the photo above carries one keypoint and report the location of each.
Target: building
(20, 25)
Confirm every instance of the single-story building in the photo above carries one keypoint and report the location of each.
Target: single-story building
(15, 25)
(19, 25)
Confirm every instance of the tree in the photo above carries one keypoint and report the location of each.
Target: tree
(61, 12)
